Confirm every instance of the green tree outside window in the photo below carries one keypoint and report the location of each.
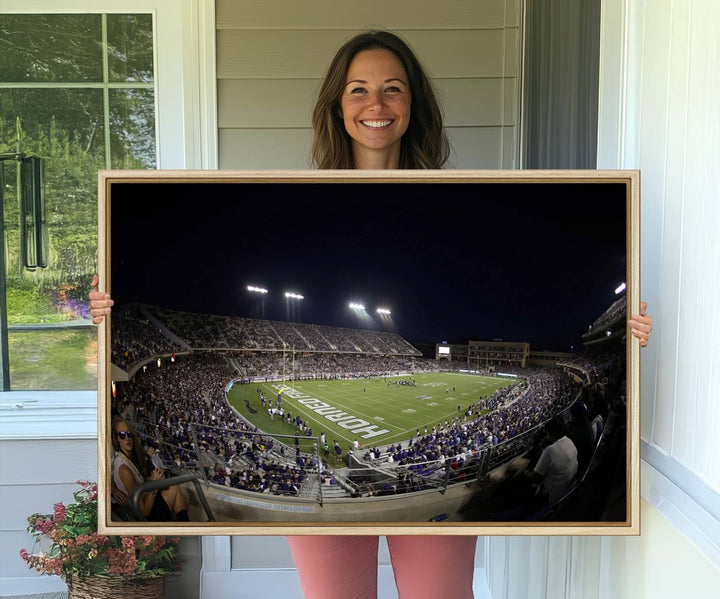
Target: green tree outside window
(78, 91)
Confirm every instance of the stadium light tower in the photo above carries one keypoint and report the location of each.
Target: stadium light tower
(261, 292)
(384, 314)
(364, 319)
(292, 305)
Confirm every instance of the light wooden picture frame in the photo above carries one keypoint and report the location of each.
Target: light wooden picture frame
(180, 366)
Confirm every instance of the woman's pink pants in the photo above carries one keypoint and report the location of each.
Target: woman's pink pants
(345, 567)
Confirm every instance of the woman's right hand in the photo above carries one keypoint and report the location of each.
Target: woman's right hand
(100, 302)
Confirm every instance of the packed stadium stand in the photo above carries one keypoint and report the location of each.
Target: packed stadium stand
(179, 367)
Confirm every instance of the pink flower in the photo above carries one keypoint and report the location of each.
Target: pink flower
(73, 554)
(59, 512)
(121, 561)
(128, 542)
(44, 526)
(53, 565)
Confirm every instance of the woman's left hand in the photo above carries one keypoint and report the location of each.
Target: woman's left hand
(100, 302)
(641, 325)
(119, 497)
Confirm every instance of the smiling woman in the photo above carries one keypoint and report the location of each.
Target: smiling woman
(364, 104)
(375, 108)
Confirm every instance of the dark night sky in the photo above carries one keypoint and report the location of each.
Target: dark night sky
(521, 261)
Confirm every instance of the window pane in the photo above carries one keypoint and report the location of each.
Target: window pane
(53, 121)
(132, 128)
(130, 48)
(52, 343)
(37, 48)
(65, 128)
(55, 359)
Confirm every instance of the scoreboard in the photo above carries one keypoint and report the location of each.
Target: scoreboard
(443, 351)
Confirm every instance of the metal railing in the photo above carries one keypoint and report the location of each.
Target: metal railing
(361, 480)
(149, 486)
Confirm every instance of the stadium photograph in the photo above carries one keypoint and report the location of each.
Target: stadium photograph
(368, 352)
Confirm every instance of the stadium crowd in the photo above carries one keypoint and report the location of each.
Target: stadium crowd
(513, 410)
(162, 401)
(135, 339)
(225, 332)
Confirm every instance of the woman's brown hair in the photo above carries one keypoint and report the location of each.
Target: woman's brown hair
(138, 456)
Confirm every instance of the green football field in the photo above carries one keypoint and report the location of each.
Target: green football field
(374, 411)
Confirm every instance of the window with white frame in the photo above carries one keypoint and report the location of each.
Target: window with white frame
(77, 94)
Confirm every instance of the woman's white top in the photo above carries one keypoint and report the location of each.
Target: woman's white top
(121, 459)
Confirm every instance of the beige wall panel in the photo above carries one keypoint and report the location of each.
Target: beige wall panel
(475, 147)
(512, 52)
(306, 54)
(511, 109)
(266, 102)
(354, 14)
(511, 158)
(513, 13)
(265, 148)
(279, 103)
(471, 102)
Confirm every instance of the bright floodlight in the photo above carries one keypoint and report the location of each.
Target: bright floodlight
(292, 295)
(356, 306)
(383, 311)
(621, 288)
(256, 289)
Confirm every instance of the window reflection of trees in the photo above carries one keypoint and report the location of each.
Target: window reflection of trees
(78, 91)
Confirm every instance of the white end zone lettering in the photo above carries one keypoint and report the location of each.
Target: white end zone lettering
(347, 421)
(337, 417)
(313, 403)
(325, 410)
(352, 422)
(372, 431)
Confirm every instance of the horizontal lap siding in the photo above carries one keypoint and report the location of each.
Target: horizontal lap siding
(356, 14)
(307, 54)
(271, 58)
(259, 149)
(35, 476)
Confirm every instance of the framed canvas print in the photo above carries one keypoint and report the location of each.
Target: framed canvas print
(369, 352)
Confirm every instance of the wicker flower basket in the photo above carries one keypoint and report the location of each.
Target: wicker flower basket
(116, 587)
